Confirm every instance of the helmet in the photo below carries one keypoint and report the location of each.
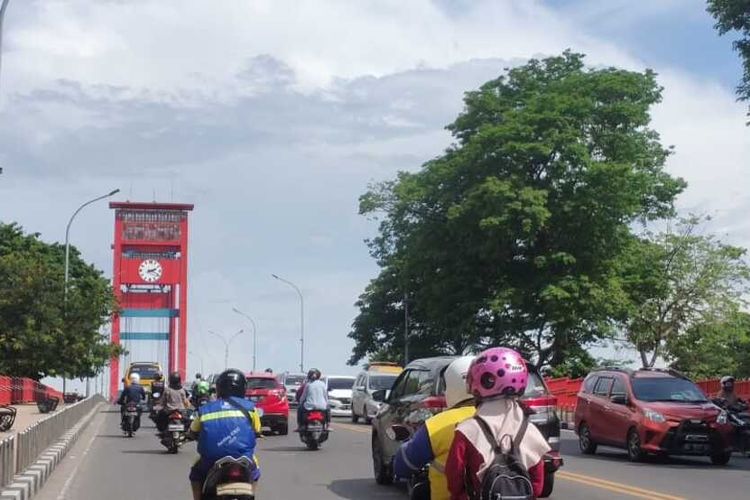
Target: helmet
(175, 380)
(230, 383)
(313, 374)
(455, 381)
(158, 376)
(727, 380)
(198, 376)
(135, 378)
(498, 371)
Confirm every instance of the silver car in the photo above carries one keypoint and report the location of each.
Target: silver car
(363, 405)
(292, 382)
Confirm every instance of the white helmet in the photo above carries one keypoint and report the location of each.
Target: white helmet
(455, 381)
(135, 378)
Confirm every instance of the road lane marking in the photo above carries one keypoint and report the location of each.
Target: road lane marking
(74, 472)
(353, 428)
(615, 487)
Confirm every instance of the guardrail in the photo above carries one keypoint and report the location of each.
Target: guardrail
(7, 460)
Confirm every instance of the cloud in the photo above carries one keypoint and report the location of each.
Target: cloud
(272, 117)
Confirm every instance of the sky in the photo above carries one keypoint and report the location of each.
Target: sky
(273, 116)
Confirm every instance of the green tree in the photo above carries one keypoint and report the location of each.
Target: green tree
(512, 235)
(734, 15)
(679, 281)
(40, 335)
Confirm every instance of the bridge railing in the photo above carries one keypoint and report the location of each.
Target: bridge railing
(7, 460)
(31, 442)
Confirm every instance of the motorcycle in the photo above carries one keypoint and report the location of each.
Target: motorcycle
(230, 479)
(418, 485)
(314, 431)
(175, 435)
(739, 417)
(131, 419)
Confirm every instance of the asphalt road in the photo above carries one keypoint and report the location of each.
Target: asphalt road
(105, 465)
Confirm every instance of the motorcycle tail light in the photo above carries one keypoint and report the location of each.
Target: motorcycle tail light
(235, 473)
(314, 415)
(176, 416)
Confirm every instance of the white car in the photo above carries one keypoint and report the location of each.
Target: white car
(292, 383)
(340, 394)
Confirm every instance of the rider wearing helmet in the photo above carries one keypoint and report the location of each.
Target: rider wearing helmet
(313, 396)
(727, 392)
(230, 416)
(497, 379)
(133, 393)
(432, 442)
(173, 398)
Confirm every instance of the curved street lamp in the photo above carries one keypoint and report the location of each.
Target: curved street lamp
(301, 322)
(227, 343)
(255, 332)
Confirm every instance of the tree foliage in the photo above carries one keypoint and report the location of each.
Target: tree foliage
(41, 334)
(512, 235)
(680, 284)
(734, 16)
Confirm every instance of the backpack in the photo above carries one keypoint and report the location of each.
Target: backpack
(505, 478)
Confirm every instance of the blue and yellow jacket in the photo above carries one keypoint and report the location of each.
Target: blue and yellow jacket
(431, 445)
(224, 430)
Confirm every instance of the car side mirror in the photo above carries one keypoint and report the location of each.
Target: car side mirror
(619, 399)
(399, 433)
(379, 396)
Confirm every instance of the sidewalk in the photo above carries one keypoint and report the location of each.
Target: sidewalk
(27, 416)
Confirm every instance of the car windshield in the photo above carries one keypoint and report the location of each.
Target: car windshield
(294, 380)
(145, 371)
(535, 386)
(667, 389)
(340, 383)
(380, 382)
(261, 383)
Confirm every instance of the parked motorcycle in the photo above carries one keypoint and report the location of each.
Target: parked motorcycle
(131, 419)
(175, 435)
(739, 416)
(230, 479)
(314, 431)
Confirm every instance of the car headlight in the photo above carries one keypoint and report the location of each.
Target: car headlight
(654, 416)
(722, 418)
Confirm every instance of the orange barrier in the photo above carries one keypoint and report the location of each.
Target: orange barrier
(17, 390)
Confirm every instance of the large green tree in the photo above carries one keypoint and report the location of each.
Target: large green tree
(512, 235)
(680, 283)
(41, 334)
(734, 16)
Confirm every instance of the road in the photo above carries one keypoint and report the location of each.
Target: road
(104, 465)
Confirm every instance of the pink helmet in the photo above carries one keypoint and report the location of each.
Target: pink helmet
(497, 371)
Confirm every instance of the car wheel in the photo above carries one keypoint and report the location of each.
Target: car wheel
(585, 443)
(549, 484)
(381, 469)
(283, 429)
(355, 417)
(721, 458)
(635, 452)
(368, 420)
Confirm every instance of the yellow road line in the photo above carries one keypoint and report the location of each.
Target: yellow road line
(353, 428)
(615, 487)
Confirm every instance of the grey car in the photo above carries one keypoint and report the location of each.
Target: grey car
(367, 383)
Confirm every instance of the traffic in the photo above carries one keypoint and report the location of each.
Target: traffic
(467, 427)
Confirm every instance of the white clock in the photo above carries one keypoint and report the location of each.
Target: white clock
(150, 270)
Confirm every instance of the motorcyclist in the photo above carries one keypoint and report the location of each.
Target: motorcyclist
(432, 441)
(133, 393)
(314, 397)
(157, 389)
(172, 398)
(201, 391)
(230, 416)
(727, 393)
(198, 379)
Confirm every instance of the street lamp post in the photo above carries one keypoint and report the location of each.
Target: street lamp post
(301, 322)
(67, 249)
(3, 6)
(255, 332)
(227, 343)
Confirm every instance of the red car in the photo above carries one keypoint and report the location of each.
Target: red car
(650, 411)
(269, 395)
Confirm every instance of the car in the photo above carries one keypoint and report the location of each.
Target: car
(292, 383)
(269, 395)
(146, 370)
(376, 376)
(339, 394)
(418, 394)
(650, 411)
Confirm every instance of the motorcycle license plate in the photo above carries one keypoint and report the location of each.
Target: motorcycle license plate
(176, 427)
(131, 413)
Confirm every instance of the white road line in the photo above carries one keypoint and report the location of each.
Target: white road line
(74, 472)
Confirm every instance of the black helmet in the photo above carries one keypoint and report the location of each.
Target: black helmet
(158, 376)
(198, 376)
(313, 374)
(175, 381)
(230, 383)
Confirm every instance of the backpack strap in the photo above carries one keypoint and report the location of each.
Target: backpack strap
(521, 434)
(488, 434)
(244, 410)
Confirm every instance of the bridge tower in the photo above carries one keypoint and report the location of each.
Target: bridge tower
(150, 282)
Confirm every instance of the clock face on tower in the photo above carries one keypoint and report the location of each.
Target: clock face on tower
(150, 270)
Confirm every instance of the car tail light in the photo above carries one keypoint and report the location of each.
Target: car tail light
(434, 404)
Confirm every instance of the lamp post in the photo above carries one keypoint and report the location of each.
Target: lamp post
(255, 332)
(227, 343)
(67, 249)
(301, 322)
(3, 6)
